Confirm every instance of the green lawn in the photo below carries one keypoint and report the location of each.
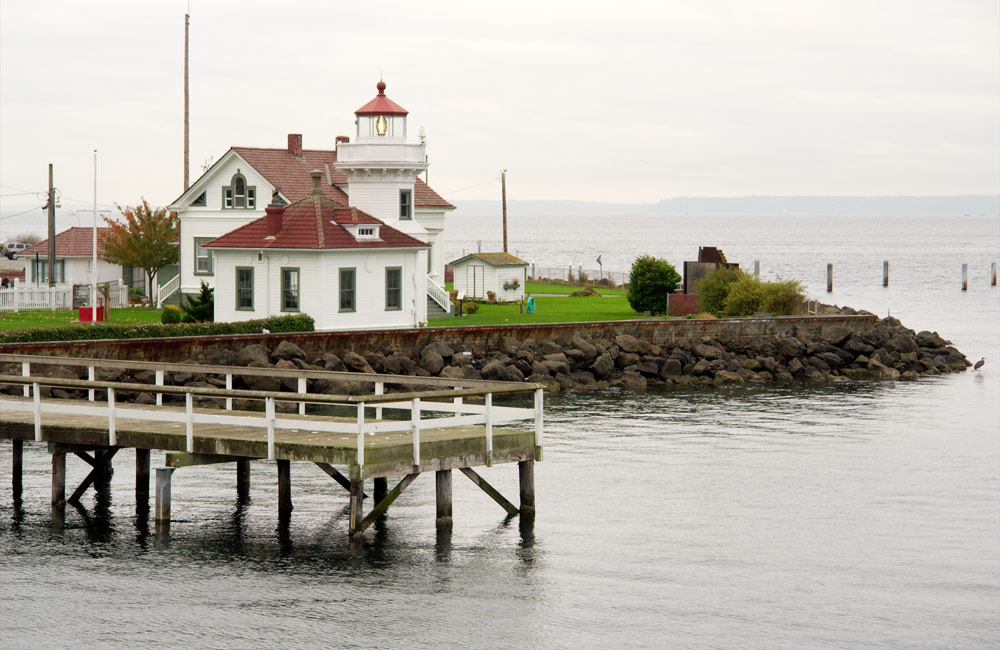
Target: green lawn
(564, 289)
(60, 318)
(548, 310)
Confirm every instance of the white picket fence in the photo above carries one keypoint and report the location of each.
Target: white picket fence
(32, 297)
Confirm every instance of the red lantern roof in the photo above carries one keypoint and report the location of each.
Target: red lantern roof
(381, 105)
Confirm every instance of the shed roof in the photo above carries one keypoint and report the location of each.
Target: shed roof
(493, 259)
(77, 241)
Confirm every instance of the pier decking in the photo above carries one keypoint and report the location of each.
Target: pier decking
(445, 425)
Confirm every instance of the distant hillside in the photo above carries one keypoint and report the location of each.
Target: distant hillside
(860, 206)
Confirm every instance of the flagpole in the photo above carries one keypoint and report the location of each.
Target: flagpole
(93, 275)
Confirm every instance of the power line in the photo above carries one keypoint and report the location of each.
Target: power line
(11, 216)
(492, 180)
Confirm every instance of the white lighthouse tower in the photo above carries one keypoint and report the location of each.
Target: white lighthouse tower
(381, 167)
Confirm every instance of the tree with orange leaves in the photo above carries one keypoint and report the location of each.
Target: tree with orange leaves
(146, 239)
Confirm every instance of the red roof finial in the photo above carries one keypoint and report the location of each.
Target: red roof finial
(381, 87)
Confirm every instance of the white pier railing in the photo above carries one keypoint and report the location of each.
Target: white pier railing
(427, 409)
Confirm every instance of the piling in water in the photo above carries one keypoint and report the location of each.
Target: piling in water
(885, 273)
(965, 277)
(829, 278)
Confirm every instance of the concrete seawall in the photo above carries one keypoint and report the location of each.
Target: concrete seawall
(481, 340)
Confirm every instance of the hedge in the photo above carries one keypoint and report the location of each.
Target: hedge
(99, 331)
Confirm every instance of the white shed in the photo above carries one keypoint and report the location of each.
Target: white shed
(501, 273)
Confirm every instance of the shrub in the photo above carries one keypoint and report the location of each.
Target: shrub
(782, 298)
(188, 318)
(585, 292)
(83, 332)
(471, 307)
(201, 308)
(649, 282)
(170, 314)
(746, 295)
(713, 289)
(136, 294)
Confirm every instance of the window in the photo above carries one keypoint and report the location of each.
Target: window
(40, 271)
(289, 289)
(366, 232)
(244, 288)
(405, 205)
(201, 201)
(393, 288)
(238, 195)
(347, 298)
(202, 257)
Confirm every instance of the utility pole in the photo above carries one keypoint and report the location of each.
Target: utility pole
(52, 231)
(503, 191)
(187, 133)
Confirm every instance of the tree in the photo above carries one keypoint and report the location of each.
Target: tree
(201, 308)
(713, 289)
(145, 239)
(649, 282)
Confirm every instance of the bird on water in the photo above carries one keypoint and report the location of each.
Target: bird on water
(979, 364)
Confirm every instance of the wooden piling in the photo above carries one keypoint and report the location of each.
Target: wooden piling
(141, 475)
(58, 479)
(17, 465)
(756, 269)
(829, 278)
(443, 491)
(526, 477)
(357, 496)
(381, 489)
(243, 480)
(885, 273)
(284, 487)
(993, 274)
(965, 277)
(163, 476)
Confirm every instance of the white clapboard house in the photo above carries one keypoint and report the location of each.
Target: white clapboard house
(377, 174)
(338, 264)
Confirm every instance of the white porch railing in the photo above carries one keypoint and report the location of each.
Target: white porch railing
(438, 294)
(166, 290)
(31, 297)
(117, 294)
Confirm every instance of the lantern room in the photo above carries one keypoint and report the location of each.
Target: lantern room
(381, 119)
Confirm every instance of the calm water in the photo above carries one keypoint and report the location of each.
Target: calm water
(864, 515)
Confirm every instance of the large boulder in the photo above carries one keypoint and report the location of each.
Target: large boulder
(927, 339)
(441, 348)
(261, 382)
(788, 346)
(708, 352)
(431, 361)
(224, 358)
(603, 366)
(671, 368)
(627, 343)
(287, 351)
(357, 363)
(332, 362)
(254, 353)
(835, 334)
(588, 349)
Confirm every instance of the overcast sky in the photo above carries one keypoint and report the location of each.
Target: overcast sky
(618, 102)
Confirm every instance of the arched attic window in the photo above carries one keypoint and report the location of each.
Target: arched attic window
(238, 195)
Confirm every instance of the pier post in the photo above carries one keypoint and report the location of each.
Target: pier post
(284, 487)
(17, 464)
(885, 273)
(163, 475)
(58, 479)
(141, 475)
(829, 278)
(357, 496)
(993, 274)
(381, 489)
(756, 269)
(965, 277)
(526, 476)
(243, 480)
(443, 484)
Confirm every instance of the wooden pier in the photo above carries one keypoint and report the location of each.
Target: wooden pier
(440, 425)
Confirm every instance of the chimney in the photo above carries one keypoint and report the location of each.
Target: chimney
(317, 189)
(354, 214)
(295, 144)
(274, 218)
(343, 138)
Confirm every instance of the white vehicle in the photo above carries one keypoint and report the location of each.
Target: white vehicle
(12, 248)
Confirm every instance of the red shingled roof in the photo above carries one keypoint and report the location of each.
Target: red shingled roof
(291, 175)
(314, 223)
(76, 241)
